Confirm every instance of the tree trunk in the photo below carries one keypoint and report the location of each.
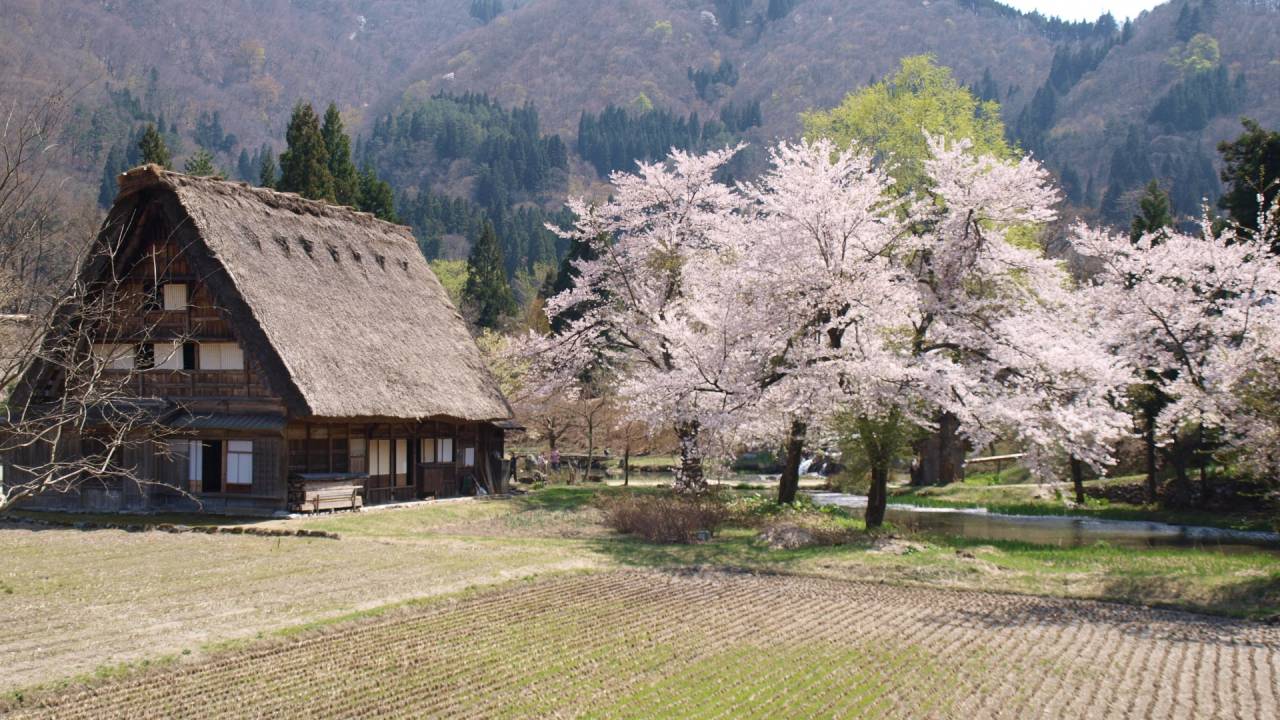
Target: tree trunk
(789, 483)
(1149, 440)
(689, 476)
(878, 495)
(1077, 479)
(591, 449)
(940, 454)
(626, 465)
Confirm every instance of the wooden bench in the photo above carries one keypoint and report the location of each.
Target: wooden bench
(316, 493)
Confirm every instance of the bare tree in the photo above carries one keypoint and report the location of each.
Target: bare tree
(38, 227)
(73, 414)
(73, 333)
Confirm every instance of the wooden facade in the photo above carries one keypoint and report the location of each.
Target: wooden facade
(239, 421)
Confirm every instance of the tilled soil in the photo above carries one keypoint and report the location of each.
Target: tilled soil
(701, 644)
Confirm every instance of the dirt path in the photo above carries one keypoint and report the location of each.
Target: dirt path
(649, 644)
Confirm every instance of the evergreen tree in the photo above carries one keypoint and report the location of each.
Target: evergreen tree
(153, 148)
(1251, 167)
(267, 171)
(304, 166)
(245, 169)
(375, 196)
(566, 278)
(1154, 213)
(346, 183)
(487, 292)
(116, 164)
(200, 164)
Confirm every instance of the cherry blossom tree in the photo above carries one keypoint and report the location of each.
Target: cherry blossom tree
(755, 312)
(1197, 314)
(638, 324)
(904, 314)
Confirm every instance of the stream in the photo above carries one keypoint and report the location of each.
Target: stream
(1061, 531)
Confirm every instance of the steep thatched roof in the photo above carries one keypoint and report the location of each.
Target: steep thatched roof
(346, 302)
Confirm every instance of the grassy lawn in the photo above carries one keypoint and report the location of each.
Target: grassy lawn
(1033, 499)
(77, 600)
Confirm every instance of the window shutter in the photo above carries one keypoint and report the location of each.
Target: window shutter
(175, 296)
(195, 465)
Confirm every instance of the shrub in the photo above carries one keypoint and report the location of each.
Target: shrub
(666, 518)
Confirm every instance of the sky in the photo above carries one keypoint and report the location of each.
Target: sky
(1085, 9)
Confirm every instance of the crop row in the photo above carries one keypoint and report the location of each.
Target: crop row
(631, 644)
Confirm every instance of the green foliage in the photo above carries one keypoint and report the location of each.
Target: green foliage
(566, 279)
(452, 274)
(346, 182)
(661, 29)
(375, 196)
(1251, 168)
(116, 164)
(486, 291)
(1130, 167)
(209, 133)
(866, 441)
(1200, 97)
(707, 82)
(506, 148)
(486, 10)
(153, 148)
(738, 118)
(1190, 22)
(200, 164)
(888, 116)
(268, 173)
(617, 138)
(304, 166)
(1154, 213)
(1200, 54)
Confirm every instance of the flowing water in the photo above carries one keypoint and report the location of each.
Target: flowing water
(1062, 531)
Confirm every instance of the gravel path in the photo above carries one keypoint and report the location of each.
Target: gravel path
(650, 644)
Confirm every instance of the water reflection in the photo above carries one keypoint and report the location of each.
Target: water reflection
(1058, 530)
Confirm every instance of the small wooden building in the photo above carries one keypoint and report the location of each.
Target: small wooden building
(289, 340)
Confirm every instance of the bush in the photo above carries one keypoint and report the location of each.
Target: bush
(814, 529)
(666, 518)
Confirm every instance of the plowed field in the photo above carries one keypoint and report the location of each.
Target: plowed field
(653, 644)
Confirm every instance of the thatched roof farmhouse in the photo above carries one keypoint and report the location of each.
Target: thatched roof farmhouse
(294, 342)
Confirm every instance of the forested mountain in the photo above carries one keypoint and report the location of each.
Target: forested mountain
(498, 109)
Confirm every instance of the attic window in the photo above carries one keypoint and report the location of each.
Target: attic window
(404, 265)
(355, 255)
(381, 260)
(307, 246)
(333, 253)
(283, 242)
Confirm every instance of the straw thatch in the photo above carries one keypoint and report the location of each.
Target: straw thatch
(345, 304)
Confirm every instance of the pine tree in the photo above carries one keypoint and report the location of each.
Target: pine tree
(116, 164)
(200, 164)
(153, 148)
(346, 183)
(304, 166)
(1251, 167)
(244, 166)
(566, 279)
(267, 168)
(375, 196)
(487, 293)
(1154, 215)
